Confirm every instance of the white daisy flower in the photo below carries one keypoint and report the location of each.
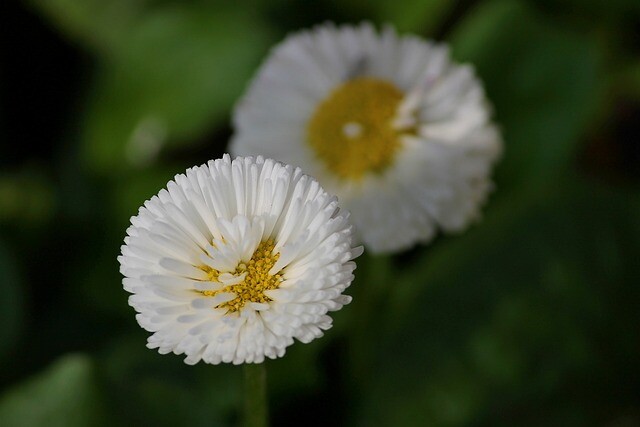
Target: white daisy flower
(390, 124)
(235, 259)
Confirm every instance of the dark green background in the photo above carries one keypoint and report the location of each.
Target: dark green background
(528, 319)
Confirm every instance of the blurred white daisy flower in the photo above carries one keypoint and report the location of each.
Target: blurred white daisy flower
(235, 259)
(390, 124)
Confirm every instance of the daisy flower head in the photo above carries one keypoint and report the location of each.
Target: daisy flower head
(390, 124)
(236, 258)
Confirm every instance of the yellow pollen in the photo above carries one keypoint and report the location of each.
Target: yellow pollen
(351, 131)
(256, 282)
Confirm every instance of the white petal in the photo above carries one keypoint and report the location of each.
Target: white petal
(440, 175)
(191, 239)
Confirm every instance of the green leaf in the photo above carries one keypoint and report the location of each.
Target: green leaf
(178, 75)
(100, 25)
(64, 395)
(545, 83)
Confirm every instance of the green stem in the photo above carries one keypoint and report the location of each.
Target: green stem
(255, 395)
(369, 307)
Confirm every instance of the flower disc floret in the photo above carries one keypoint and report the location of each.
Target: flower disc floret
(352, 130)
(256, 279)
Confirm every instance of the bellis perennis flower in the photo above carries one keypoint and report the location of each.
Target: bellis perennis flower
(235, 259)
(390, 124)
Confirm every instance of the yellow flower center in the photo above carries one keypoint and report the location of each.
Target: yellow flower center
(256, 282)
(351, 131)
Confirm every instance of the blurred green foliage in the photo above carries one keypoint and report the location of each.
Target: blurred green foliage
(64, 395)
(545, 82)
(169, 72)
(11, 304)
(530, 318)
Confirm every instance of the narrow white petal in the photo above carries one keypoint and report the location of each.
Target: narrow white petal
(439, 177)
(193, 248)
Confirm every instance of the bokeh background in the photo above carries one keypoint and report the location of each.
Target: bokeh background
(531, 318)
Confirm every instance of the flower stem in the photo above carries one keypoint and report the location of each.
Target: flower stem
(255, 395)
(369, 305)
